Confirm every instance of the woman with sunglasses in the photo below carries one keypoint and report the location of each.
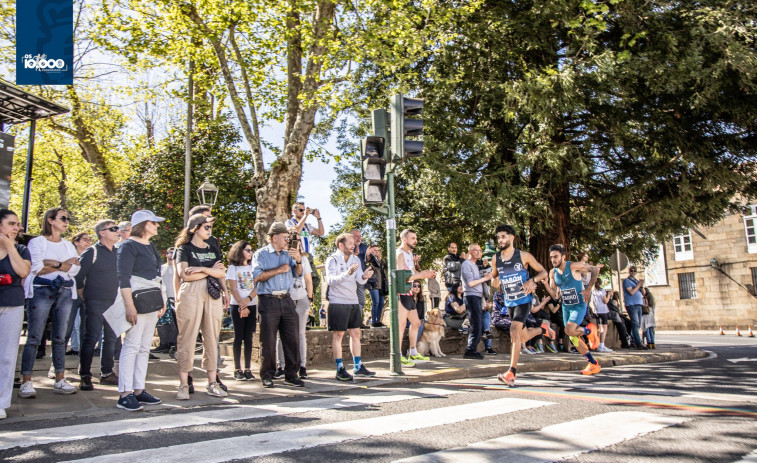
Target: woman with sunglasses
(51, 287)
(196, 309)
(243, 308)
(138, 265)
(15, 263)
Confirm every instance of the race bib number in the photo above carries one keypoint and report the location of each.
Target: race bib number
(513, 287)
(570, 296)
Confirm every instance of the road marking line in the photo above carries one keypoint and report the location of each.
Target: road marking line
(256, 445)
(43, 436)
(556, 442)
(750, 458)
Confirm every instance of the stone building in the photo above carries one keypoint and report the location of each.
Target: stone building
(711, 277)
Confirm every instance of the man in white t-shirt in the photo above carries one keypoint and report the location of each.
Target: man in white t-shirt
(600, 297)
(297, 223)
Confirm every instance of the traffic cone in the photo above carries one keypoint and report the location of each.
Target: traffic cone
(722, 333)
(751, 334)
(738, 333)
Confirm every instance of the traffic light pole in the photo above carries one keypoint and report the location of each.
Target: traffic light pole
(395, 352)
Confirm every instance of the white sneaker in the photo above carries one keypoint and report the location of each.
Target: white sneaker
(604, 349)
(215, 390)
(526, 351)
(51, 372)
(26, 391)
(183, 393)
(63, 387)
(3, 415)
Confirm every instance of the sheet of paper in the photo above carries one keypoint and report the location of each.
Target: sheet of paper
(116, 316)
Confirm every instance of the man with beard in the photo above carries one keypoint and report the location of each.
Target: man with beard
(452, 266)
(512, 267)
(343, 274)
(567, 276)
(407, 309)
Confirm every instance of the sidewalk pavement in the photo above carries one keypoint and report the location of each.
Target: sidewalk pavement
(162, 381)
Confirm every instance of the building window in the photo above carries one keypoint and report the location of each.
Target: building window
(750, 227)
(687, 286)
(754, 281)
(682, 246)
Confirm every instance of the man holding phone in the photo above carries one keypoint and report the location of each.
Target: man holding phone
(633, 298)
(304, 230)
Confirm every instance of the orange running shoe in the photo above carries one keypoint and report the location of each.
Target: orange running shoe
(550, 332)
(591, 369)
(508, 378)
(593, 337)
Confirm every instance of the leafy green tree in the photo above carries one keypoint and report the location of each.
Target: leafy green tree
(157, 183)
(591, 124)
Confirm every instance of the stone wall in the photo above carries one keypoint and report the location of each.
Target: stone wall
(720, 301)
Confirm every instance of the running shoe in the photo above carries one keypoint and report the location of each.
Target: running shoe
(362, 371)
(550, 333)
(146, 398)
(239, 376)
(26, 391)
(419, 358)
(592, 336)
(526, 351)
(507, 378)
(129, 403)
(303, 374)
(250, 377)
(342, 375)
(279, 373)
(591, 369)
(551, 347)
(604, 349)
(540, 348)
(51, 372)
(183, 393)
(407, 362)
(63, 387)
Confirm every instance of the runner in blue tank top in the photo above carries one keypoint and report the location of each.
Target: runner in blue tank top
(511, 274)
(567, 277)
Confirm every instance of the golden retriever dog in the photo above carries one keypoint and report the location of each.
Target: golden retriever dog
(433, 332)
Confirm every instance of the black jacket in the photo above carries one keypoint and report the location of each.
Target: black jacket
(453, 265)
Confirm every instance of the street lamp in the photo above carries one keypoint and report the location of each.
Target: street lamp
(207, 193)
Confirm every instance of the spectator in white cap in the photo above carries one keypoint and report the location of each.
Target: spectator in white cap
(138, 263)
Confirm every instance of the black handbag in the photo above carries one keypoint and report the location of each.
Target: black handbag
(214, 287)
(148, 300)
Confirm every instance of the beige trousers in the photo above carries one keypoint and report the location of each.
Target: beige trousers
(196, 311)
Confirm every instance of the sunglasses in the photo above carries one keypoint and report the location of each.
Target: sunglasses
(416, 286)
(63, 218)
(300, 210)
(248, 250)
(113, 228)
(631, 269)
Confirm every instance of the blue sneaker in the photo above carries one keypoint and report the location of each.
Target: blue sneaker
(129, 403)
(146, 398)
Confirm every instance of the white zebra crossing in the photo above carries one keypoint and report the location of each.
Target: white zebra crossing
(556, 442)
(236, 413)
(257, 445)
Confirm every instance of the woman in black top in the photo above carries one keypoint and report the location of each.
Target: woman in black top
(196, 308)
(138, 263)
(454, 308)
(15, 264)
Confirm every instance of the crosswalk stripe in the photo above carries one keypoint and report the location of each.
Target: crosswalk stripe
(236, 413)
(556, 442)
(268, 443)
(750, 458)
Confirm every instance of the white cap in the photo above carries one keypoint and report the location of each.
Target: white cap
(143, 215)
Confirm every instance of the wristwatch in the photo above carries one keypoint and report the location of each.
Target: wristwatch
(60, 264)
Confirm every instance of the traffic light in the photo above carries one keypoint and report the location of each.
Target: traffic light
(402, 127)
(374, 170)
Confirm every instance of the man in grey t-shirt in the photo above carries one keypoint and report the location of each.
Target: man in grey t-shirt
(473, 291)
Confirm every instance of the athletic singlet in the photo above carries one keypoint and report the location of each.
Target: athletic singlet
(569, 286)
(512, 275)
(410, 265)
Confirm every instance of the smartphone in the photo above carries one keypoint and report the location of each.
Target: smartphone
(294, 241)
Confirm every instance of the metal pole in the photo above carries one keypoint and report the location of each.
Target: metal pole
(188, 144)
(395, 352)
(28, 179)
(620, 285)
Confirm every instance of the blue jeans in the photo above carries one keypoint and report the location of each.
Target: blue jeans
(377, 301)
(475, 315)
(55, 303)
(649, 333)
(486, 322)
(634, 311)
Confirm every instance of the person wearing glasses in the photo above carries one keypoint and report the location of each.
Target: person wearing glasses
(196, 309)
(124, 232)
(633, 297)
(472, 281)
(297, 223)
(15, 263)
(51, 287)
(97, 284)
(244, 307)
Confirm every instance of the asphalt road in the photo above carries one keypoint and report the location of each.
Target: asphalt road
(695, 410)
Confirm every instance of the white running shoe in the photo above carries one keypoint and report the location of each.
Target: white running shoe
(604, 349)
(3, 415)
(215, 390)
(26, 391)
(526, 351)
(51, 372)
(63, 387)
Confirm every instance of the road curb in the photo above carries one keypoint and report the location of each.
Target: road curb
(574, 363)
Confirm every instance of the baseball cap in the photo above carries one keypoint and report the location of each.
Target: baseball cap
(197, 220)
(143, 215)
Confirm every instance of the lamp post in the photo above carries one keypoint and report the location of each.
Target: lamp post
(207, 193)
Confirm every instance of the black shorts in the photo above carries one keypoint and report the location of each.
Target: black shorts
(519, 313)
(408, 302)
(343, 317)
(602, 318)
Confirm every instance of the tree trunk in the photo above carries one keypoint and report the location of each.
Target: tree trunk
(557, 230)
(62, 186)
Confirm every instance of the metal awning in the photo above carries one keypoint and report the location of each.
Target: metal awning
(18, 106)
